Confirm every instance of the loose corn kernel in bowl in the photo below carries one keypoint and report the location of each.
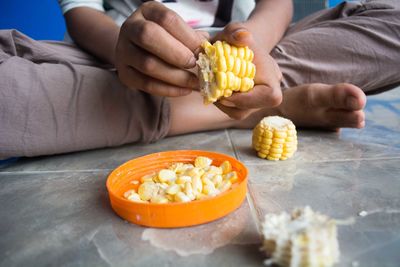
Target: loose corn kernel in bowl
(225, 69)
(275, 138)
(184, 182)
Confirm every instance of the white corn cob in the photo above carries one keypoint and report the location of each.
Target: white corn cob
(302, 239)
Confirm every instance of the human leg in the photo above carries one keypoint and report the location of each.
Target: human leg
(356, 42)
(56, 99)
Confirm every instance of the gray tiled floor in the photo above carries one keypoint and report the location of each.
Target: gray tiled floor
(54, 210)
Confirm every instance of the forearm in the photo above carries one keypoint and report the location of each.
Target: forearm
(93, 31)
(269, 21)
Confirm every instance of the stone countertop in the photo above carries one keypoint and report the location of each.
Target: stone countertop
(55, 212)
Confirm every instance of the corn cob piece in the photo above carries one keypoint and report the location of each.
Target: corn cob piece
(184, 182)
(275, 138)
(303, 239)
(224, 69)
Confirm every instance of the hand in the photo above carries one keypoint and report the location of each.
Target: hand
(267, 91)
(155, 51)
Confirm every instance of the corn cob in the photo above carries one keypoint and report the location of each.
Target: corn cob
(302, 239)
(184, 182)
(274, 138)
(224, 69)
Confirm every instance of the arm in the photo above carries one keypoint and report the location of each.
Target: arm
(94, 31)
(269, 21)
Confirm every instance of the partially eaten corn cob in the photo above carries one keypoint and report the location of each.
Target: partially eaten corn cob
(302, 239)
(275, 138)
(224, 69)
(184, 182)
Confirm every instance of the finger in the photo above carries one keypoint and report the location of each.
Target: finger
(151, 37)
(234, 113)
(134, 79)
(260, 96)
(172, 23)
(154, 67)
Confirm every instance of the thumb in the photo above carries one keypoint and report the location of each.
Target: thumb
(236, 34)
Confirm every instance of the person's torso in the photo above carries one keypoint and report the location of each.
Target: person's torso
(197, 13)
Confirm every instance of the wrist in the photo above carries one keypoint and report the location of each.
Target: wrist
(262, 36)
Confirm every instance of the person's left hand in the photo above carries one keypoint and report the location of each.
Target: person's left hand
(267, 91)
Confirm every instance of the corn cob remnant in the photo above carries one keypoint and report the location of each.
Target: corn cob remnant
(224, 69)
(184, 182)
(275, 138)
(303, 239)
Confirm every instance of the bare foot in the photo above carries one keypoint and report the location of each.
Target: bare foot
(318, 106)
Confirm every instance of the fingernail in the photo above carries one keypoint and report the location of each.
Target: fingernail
(227, 103)
(352, 102)
(191, 63)
(185, 91)
(240, 34)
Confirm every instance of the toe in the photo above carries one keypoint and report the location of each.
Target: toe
(345, 119)
(340, 96)
(352, 96)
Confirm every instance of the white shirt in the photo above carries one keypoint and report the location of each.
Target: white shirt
(197, 13)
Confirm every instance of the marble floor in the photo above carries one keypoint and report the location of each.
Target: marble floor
(55, 212)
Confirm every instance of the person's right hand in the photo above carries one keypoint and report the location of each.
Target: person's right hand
(155, 51)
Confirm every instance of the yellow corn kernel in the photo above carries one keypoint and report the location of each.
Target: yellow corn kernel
(181, 197)
(213, 170)
(230, 62)
(129, 192)
(189, 191)
(159, 199)
(209, 189)
(227, 93)
(225, 167)
(163, 186)
(222, 65)
(202, 162)
(147, 190)
(217, 180)
(196, 171)
(183, 179)
(236, 66)
(148, 178)
(200, 196)
(173, 189)
(224, 69)
(225, 185)
(171, 198)
(197, 185)
(231, 176)
(166, 175)
(274, 138)
(176, 167)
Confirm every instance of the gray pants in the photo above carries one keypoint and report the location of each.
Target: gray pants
(55, 98)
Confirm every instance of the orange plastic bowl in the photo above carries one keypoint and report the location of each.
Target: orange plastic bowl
(173, 214)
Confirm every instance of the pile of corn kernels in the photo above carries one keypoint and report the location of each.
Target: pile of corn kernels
(184, 182)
